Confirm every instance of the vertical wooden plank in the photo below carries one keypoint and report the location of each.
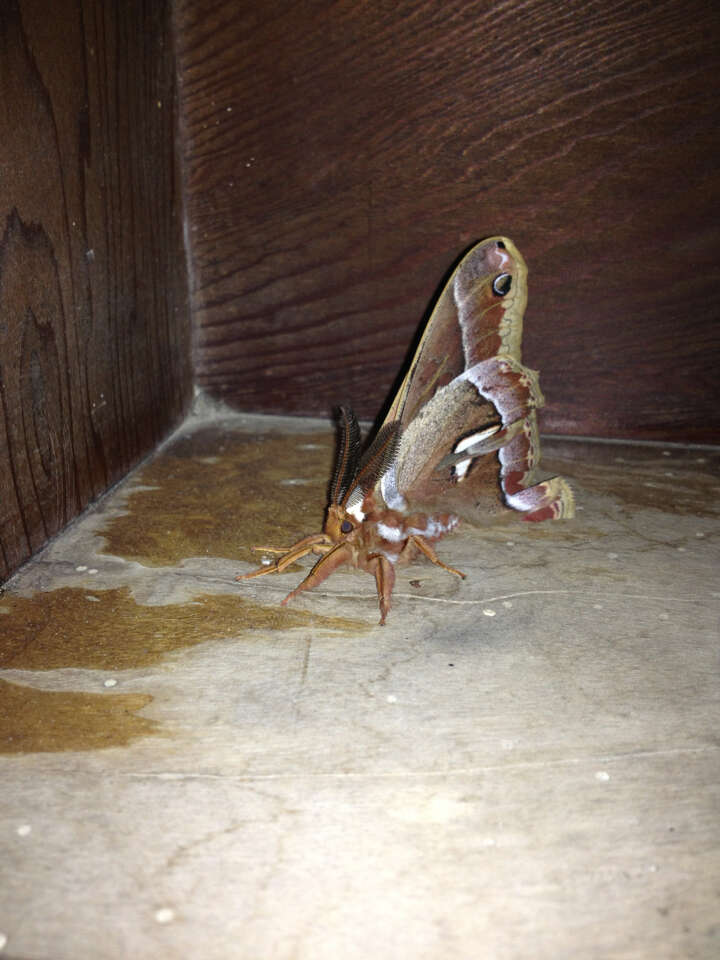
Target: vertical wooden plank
(94, 329)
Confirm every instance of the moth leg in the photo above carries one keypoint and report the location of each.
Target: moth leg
(335, 557)
(298, 550)
(424, 547)
(384, 581)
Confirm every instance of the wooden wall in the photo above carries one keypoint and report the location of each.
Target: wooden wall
(340, 156)
(337, 158)
(94, 332)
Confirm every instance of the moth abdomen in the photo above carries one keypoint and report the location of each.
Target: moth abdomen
(395, 531)
(432, 527)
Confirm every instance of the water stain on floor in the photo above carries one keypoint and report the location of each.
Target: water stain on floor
(211, 493)
(217, 493)
(108, 630)
(48, 721)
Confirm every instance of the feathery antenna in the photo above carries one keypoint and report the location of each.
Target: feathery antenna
(376, 460)
(347, 455)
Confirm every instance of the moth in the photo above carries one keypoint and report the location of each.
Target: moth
(460, 434)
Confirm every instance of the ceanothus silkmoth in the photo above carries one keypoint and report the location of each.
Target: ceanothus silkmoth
(461, 430)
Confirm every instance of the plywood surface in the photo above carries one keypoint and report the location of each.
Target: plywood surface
(339, 157)
(522, 765)
(94, 335)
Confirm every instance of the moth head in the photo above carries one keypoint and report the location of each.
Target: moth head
(339, 523)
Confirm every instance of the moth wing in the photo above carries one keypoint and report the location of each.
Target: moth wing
(437, 404)
(437, 360)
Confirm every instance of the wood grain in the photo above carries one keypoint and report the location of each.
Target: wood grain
(340, 157)
(94, 338)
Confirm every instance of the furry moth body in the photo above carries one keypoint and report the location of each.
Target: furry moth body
(463, 418)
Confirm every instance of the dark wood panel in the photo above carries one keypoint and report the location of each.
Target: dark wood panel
(94, 332)
(339, 157)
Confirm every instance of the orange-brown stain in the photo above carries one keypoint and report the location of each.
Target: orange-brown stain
(43, 721)
(108, 630)
(210, 493)
(216, 493)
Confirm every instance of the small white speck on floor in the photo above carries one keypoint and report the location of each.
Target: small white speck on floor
(701, 460)
(110, 683)
(666, 453)
(294, 482)
(310, 446)
(649, 483)
(3, 941)
(664, 616)
(699, 535)
(24, 830)
(669, 473)
(391, 698)
(681, 550)
(93, 570)
(602, 775)
(613, 556)
(509, 543)
(89, 596)
(652, 868)
(81, 569)
(507, 604)
(488, 612)
(165, 915)
(597, 606)
(266, 561)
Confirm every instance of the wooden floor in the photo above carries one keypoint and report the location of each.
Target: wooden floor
(521, 765)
